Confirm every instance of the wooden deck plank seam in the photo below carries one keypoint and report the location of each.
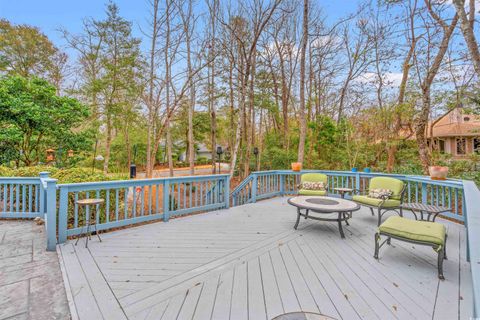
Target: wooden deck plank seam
(347, 282)
(354, 271)
(386, 277)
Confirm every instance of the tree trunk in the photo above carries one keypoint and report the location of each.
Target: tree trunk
(302, 120)
(468, 33)
(167, 89)
(150, 121)
(108, 143)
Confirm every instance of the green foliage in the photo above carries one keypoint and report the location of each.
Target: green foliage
(26, 51)
(71, 175)
(75, 175)
(33, 118)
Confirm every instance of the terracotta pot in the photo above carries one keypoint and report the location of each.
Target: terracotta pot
(438, 172)
(296, 166)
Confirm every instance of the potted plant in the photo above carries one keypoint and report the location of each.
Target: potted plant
(438, 172)
(296, 166)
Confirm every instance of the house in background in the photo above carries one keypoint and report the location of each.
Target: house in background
(457, 132)
(202, 151)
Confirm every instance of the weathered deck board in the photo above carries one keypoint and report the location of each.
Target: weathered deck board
(249, 263)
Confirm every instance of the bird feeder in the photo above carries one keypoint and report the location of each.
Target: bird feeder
(70, 153)
(50, 155)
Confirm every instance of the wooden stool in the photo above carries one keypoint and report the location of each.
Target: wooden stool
(90, 221)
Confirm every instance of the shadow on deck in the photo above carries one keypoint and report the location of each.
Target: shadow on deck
(248, 262)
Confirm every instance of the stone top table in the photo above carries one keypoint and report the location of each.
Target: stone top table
(324, 205)
(343, 191)
(428, 209)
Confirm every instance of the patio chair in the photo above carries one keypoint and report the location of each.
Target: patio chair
(425, 233)
(311, 184)
(384, 194)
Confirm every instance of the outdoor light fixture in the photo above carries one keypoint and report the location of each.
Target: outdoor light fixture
(255, 152)
(219, 153)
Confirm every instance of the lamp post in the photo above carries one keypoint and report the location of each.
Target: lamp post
(133, 167)
(255, 152)
(219, 153)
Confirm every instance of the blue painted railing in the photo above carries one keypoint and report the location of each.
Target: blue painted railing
(472, 208)
(135, 201)
(267, 184)
(23, 198)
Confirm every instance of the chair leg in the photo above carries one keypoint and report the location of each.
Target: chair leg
(377, 245)
(389, 241)
(373, 213)
(379, 217)
(441, 257)
(97, 233)
(401, 212)
(445, 249)
(88, 234)
(306, 214)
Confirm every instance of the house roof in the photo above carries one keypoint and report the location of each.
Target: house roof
(456, 122)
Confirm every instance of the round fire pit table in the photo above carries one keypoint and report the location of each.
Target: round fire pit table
(302, 316)
(324, 205)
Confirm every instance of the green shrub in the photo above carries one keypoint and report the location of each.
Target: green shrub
(5, 171)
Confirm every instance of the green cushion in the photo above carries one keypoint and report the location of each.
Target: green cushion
(390, 203)
(430, 232)
(304, 192)
(314, 177)
(387, 183)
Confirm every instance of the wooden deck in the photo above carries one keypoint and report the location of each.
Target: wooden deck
(248, 262)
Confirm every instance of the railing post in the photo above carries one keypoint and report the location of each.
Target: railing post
(465, 222)
(254, 188)
(424, 193)
(227, 192)
(357, 181)
(42, 194)
(63, 215)
(51, 216)
(166, 200)
(282, 184)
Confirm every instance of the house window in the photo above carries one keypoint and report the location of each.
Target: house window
(441, 146)
(461, 146)
(476, 145)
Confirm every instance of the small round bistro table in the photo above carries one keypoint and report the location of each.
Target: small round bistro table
(324, 205)
(343, 191)
(90, 218)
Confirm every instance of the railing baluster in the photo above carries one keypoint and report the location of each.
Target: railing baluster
(142, 201)
(125, 204)
(75, 210)
(150, 195)
(107, 205)
(116, 203)
(134, 201)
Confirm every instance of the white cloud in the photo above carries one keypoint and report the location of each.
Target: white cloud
(392, 79)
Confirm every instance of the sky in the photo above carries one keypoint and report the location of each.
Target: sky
(50, 15)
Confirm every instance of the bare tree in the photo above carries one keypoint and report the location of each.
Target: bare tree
(426, 81)
(467, 23)
(302, 120)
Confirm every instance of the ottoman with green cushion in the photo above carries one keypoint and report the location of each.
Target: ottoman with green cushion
(313, 177)
(431, 234)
